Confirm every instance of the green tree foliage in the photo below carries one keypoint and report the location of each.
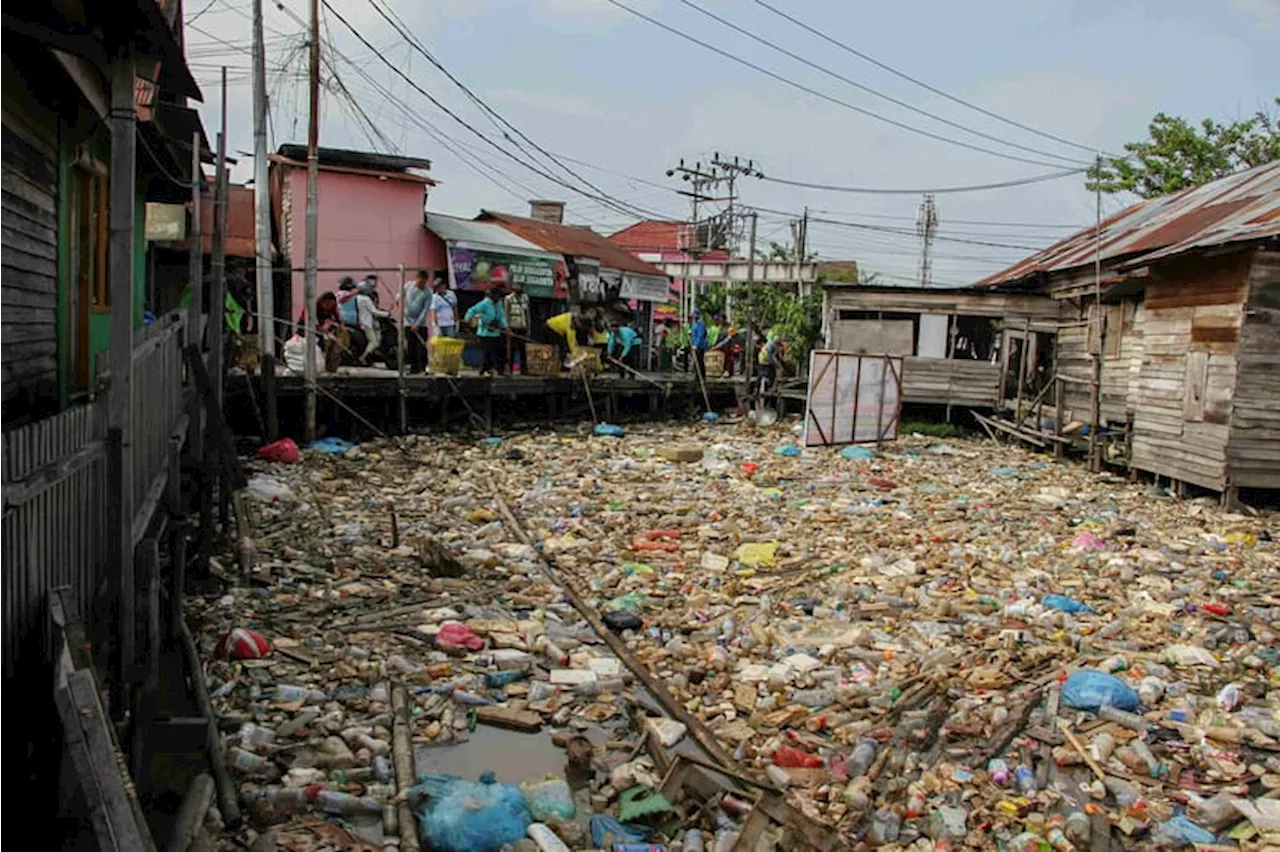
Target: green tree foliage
(767, 306)
(1180, 154)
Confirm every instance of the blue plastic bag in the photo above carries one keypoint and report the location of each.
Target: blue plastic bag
(332, 446)
(608, 430)
(549, 799)
(856, 454)
(1183, 831)
(469, 816)
(605, 827)
(1062, 603)
(788, 450)
(1089, 689)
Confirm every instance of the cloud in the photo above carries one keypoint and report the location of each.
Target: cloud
(1265, 12)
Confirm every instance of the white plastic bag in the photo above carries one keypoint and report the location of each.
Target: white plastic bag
(295, 349)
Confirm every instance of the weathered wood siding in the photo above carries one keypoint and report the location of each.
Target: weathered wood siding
(1253, 449)
(1190, 324)
(1119, 362)
(29, 249)
(942, 381)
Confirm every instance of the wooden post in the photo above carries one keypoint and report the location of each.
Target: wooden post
(195, 272)
(120, 394)
(1022, 369)
(262, 230)
(313, 208)
(1059, 405)
(400, 348)
(1005, 345)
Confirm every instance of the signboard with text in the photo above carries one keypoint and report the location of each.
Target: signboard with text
(473, 269)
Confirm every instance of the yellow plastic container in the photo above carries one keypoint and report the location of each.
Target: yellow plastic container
(445, 356)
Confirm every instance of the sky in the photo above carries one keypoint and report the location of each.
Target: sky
(619, 101)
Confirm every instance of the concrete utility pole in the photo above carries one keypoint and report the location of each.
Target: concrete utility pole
(218, 261)
(313, 212)
(748, 355)
(1095, 413)
(262, 224)
(926, 227)
(195, 271)
(728, 171)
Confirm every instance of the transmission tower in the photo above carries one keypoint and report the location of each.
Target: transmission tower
(926, 227)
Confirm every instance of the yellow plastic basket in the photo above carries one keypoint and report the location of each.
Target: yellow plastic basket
(446, 355)
(586, 362)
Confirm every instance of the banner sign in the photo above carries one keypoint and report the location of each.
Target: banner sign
(646, 288)
(472, 269)
(590, 287)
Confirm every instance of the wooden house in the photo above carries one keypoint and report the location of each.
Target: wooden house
(952, 340)
(1177, 339)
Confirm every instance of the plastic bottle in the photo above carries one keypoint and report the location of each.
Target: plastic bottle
(886, 825)
(726, 838)
(291, 694)
(693, 840)
(1079, 828)
(284, 801)
(778, 776)
(248, 763)
(335, 802)
(598, 687)
(1132, 721)
(814, 697)
(1025, 779)
(1102, 746)
(998, 769)
(863, 756)
(1140, 748)
(545, 838)
(383, 769)
(916, 804)
(1058, 840)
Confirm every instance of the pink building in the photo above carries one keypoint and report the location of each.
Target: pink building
(371, 213)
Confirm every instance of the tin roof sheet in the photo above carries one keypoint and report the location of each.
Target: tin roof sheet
(1241, 207)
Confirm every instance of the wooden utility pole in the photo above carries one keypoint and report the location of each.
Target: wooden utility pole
(195, 272)
(313, 202)
(748, 367)
(123, 124)
(1095, 414)
(218, 262)
(262, 226)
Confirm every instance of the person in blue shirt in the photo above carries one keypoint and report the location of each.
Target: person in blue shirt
(698, 340)
(417, 297)
(491, 322)
(621, 341)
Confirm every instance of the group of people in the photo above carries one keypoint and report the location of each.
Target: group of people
(701, 337)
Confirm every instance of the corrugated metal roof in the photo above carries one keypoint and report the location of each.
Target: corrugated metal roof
(574, 241)
(1238, 208)
(482, 234)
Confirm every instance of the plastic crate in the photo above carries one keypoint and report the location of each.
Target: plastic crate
(715, 363)
(543, 360)
(445, 357)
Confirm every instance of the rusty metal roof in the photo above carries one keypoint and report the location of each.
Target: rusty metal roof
(1241, 207)
(574, 240)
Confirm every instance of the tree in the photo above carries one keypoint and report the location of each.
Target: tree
(1180, 154)
(783, 253)
(765, 306)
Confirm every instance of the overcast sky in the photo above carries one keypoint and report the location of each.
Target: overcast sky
(587, 80)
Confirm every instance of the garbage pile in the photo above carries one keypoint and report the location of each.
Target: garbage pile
(930, 645)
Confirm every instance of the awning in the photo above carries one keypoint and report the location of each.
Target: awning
(483, 254)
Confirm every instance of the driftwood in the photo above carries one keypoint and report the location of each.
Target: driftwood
(402, 757)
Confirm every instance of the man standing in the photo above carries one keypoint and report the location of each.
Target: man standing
(698, 340)
(516, 305)
(491, 321)
(416, 298)
(368, 313)
(442, 311)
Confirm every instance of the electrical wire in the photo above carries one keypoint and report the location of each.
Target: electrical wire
(921, 83)
(620, 206)
(818, 94)
(870, 90)
(942, 190)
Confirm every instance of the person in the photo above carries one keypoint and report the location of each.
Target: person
(568, 331)
(416, 298)
(368, 313)
(698, 340)
(730, 343)
(714, 330)
(659, 345)
(347, 302)
(442, 312)
(622, 339)
(516, 305)
(768, 360)
(333, 335)
(490, 321)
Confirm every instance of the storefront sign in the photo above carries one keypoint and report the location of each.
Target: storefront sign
(472, 269)
(590, 288)
(646, 288)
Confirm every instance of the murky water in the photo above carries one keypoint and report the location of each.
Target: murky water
(512, 755)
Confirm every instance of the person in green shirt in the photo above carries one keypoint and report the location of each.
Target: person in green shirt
(491, 323)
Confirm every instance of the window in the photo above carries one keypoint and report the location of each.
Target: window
(89, 236)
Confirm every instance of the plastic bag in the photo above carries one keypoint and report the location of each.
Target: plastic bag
(453, 636)
(1182, 831)
(607, 830)
(753, 554)
(470, 816)
(1188, 655)
(789, 757)
(608, 430)
(548, 799)
(295, 354)
(856, 454)
(788, 451)
(331, 446)
(1091, 690)
(1062, 603)
(284, 451)
(267, 489)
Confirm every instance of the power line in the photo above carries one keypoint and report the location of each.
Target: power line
(921, 83)
(829, 98)
(982, 187)
(1060, 226)
(868, 89)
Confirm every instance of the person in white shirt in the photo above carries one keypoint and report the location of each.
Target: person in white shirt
(368, 313)
(443, 311)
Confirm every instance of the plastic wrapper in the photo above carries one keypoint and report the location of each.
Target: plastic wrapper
(471, 816)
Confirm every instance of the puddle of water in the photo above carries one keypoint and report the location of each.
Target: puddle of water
(512, 755)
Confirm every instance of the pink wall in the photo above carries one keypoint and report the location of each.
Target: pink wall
(363, 221)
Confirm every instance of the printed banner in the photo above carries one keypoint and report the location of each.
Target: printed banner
(479, 270)
(646, 288)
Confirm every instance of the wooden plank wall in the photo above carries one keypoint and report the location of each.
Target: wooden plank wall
(1190, 323)
(942, 381)
(1253, 448)
(29, 270)
(1118, 369)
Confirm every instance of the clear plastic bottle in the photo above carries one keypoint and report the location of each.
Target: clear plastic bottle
(291, 694)
(998, 769)
(693, 840)
(863, 756)
(335, 802)
(886, 825)
(1025, 779)
(1132, 721)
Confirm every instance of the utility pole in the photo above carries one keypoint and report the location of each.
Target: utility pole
(218, 261)
(748, 355)
(262, 224)
(195, 272)
(728, 171)
(926, 227)
(1095, 413)
(699, 180)
(313, 211)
